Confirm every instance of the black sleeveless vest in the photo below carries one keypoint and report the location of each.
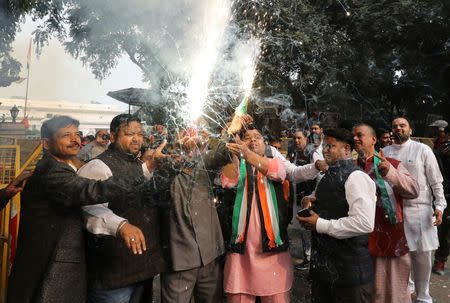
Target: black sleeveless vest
(283, 213)
(112, 263)
(345, 262)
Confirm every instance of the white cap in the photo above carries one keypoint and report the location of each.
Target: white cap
(440, 124)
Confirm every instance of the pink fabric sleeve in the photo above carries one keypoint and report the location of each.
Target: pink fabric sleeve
(404, 184)
(227, 182)
(276, 171)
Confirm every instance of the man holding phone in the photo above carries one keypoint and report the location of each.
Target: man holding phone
(343, 216)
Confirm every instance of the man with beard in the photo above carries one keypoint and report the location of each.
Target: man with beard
(116, 273)
(258, 262)
(420, 229)
(50, 260)
(344, 211)
(383, 138)
(387, 243)
(96, 147)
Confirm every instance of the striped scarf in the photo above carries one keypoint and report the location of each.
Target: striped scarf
(387, 196)
(269, 208)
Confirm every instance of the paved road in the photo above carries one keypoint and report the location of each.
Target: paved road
(439, 285)
(300, 293)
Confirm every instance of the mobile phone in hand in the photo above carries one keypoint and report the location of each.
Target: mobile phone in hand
(304, 213)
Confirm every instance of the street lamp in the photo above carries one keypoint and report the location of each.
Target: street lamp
(14, 112)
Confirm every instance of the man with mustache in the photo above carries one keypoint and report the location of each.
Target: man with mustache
(126, 253)
(50, 260)
(344, 211)
(96, 147)
(387, 243)
(420, 230)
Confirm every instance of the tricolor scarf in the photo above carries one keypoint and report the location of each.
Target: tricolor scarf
(269, 208)
(387, 195)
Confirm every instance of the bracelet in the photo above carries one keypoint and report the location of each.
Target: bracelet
(120, 226)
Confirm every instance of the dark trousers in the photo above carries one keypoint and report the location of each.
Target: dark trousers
(204, 284)
(323, 292)
(444, 238)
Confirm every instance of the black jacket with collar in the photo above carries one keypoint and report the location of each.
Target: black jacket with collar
(110, 262)
(50, 261)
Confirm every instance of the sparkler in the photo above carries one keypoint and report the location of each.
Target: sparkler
(215, 21)
(251, 51)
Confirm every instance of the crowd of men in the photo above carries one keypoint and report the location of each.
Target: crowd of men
(98, 223)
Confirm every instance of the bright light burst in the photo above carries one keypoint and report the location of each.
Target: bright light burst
(215, 21)
(248, 57)
(251, 51)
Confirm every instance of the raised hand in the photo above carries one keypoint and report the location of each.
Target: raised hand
(239, 148)
(239, 123)
(384, 165)
(15, 185)
(153, 158)
(160, 129)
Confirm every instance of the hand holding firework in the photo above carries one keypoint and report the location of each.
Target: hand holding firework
(239, 123)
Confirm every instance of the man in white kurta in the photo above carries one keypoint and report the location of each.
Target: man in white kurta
(420, 219)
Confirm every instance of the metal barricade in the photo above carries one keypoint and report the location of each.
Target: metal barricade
(10, 214)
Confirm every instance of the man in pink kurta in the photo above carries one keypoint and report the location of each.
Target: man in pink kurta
(254, 268)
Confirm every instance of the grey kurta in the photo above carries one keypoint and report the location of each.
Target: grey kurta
(195, 236)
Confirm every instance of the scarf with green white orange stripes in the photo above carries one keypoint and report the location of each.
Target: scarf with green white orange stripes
(269, 208)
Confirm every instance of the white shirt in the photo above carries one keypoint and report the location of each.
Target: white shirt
(296, 173)
(360, 193)
(98, 218)
(318, 153)
(421, 163)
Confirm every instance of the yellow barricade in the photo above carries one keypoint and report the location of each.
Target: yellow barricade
(10, 214)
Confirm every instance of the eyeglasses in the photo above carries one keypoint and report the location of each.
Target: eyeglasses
(326, 146)
(250, 137)
(106, 137)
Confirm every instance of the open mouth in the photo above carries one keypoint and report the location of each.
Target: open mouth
(75, 145)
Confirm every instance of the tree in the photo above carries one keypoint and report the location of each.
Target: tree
(366, 59)
(344, 55)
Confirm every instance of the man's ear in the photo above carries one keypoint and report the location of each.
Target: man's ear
(348, 148)
(113, 136)
(374, 139)
(45, 143)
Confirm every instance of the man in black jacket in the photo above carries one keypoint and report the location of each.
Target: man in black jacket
(50, 259)
(344, 214)
(126, 253)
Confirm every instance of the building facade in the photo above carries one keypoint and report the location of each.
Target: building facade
(92, 116)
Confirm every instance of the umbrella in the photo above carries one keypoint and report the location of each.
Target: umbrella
(134, 96)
